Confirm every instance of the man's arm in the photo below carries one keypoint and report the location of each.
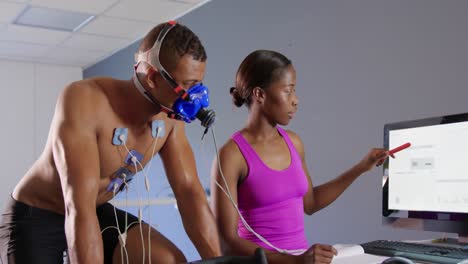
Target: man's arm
(76, 157)
(179, 163)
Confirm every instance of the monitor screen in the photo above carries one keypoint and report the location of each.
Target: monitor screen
(428, 180)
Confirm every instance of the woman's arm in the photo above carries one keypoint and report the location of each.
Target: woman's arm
(323, 195)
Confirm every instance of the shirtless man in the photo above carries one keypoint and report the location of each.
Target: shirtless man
(61, 204)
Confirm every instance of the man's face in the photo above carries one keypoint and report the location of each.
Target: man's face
(187, 73)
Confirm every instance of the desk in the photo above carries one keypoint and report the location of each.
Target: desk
(360, 259)
(354, 254)
(366, 259)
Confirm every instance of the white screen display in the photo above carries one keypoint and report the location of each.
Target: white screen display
(432, 174)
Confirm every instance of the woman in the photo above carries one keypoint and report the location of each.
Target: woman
(265, 171)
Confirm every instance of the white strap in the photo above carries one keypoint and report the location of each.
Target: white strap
(141, 89)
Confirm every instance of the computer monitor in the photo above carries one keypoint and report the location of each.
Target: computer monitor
(425, 186)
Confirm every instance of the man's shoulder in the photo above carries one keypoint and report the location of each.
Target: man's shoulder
(84, 100)
(88, 92)
(92, 86)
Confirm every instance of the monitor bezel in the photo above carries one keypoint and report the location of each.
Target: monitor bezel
(426, 215)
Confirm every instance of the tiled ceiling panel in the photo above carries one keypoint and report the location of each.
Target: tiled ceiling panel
(85, 6)
(9, 10)
(94, 42)
(114, 25)
(33, 35)
(22, 50)
(148, 10)
(72, 57)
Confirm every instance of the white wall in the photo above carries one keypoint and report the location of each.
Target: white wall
(27, 103)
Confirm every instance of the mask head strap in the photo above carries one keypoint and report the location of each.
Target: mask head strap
(151, 57)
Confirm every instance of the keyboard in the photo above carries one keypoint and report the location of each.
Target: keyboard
(417, 251)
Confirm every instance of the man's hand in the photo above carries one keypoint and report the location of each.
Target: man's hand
(318, 254)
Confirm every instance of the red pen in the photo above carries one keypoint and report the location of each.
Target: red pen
(400, 148)
(393, 151)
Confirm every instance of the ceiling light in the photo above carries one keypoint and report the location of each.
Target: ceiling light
(55, 19)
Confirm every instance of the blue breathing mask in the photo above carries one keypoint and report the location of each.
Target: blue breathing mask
(198, 98)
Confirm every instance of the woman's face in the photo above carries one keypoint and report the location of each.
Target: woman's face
(280, 101)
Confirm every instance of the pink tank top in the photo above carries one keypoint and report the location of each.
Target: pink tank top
(271, 200)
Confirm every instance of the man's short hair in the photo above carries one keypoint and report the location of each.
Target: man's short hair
(179, 41)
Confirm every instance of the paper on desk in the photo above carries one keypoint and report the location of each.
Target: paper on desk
(354, 254)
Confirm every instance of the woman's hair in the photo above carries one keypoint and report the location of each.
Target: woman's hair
(259, 69)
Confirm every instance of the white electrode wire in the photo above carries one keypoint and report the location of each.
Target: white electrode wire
(135, 164)
(121, 236)
(126, 221)
(140, 213)
(229, 195)
(204, 161)
(122, 248)
(155, 143)
(122, 255)
(148, 191)
(126, 206)
(126, 254)
(147, 187)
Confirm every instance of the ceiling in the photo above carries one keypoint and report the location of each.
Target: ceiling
(116, 24)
